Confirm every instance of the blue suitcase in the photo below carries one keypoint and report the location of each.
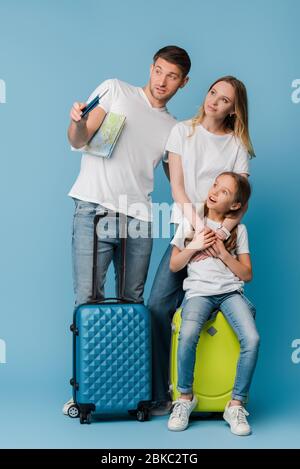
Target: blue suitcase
(111, 353)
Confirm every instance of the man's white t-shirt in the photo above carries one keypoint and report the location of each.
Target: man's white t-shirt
(210, 276)
(204, 156)
(130, 170)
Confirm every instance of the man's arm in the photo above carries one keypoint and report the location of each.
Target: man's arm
(81, 129)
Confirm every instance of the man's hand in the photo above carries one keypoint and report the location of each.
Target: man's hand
(82, 129)
(76, 113)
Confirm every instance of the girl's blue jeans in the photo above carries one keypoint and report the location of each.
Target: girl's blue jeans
(240, 314)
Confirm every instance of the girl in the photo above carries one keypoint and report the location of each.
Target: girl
(216, 283)
(216, 140)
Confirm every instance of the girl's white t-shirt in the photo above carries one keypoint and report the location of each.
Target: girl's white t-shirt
(210, 276)
(204, 156)
(125, 181)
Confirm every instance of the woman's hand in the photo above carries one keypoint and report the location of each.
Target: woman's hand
(203, 240)
(205, 252)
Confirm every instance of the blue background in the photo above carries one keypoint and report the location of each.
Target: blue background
(55, 52)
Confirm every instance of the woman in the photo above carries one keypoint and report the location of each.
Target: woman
(215, 140)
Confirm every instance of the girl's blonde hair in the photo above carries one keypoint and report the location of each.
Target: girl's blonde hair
(238, 122)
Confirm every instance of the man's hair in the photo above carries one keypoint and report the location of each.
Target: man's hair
(175, 55)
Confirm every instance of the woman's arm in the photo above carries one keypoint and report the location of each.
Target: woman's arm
(179, 194)
(240, 266)
(230, 223)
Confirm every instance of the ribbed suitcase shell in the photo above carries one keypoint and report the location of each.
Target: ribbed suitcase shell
(112, 356)
(215, 367)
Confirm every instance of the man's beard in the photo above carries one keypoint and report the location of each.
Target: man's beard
(164, 97)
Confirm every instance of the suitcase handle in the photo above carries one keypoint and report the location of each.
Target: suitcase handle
(115, 300)
(120, 297)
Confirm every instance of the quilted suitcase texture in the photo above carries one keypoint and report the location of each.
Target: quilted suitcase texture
(111, 356)
(215, 367)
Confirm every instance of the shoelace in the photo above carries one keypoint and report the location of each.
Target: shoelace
(240, 414)
(179, 407)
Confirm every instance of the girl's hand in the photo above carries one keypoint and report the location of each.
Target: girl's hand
(199, 256)
(219, 249)
(203, 240)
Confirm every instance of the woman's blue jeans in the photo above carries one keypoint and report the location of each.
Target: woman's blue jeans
(240, 314)
(165, 297)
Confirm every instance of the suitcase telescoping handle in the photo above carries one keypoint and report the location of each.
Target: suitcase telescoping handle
(121, 298)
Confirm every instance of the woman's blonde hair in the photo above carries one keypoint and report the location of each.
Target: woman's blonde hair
(238, 122)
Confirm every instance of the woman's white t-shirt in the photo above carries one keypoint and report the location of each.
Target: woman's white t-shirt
(210, 276)
(204, 156)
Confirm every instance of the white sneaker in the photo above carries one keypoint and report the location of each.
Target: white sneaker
(236, 417)
(179, 418)
(67, 405)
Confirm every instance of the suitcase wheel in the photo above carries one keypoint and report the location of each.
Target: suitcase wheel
(73, 411)
(142, 415)
(85, 418)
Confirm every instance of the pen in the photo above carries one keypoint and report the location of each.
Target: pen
(93, 104)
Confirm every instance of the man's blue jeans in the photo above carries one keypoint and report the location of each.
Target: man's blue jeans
(240, 314)
(138, 252)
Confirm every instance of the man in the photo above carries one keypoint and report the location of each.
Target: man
(124, 182)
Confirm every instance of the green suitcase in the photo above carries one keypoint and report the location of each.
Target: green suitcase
(215, 367)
